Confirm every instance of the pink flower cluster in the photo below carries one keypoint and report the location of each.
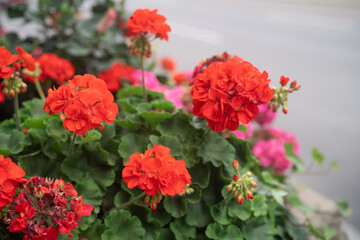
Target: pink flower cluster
(272, 152)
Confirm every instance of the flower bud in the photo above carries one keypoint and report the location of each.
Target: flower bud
(240, 200)
(12, 93)
(283, 80)
(235, 178)
(17, 66)
(293, 84)
(236, 194)
(253, 184)
(153, 205)
(297, 87)
(6, 92)
(147, 200)
(249, 194)
(285, 109)
(229, 187)
(5, 83)
(235, 164)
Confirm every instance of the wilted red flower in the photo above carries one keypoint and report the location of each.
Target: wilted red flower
(168, 64)
(11, 175)
(26, 59)
(113, 76)
(156, 170)
(53, 67)
(228, 93)
(149, 21)
(45, 207)
(86, 102)
(6, 59)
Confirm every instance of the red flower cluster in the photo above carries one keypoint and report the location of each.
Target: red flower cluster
(6, 59)
(53, 67)
(149, 21)
(113, 76)
(10, 177)
(229, 92)
(156, 170)
(86, 102)
(44, 208)
(168, 64)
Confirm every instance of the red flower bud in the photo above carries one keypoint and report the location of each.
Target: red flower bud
(240, 200)
(17, 66)
(25, 130)
(284, 80)
(249, 195)
(147, 200)
(235, 164)
(293, 84)
(236, 194)
(297, 87)
(235, 178)
(153, 205)
(253, 184)
(12, 93)
(229, 187)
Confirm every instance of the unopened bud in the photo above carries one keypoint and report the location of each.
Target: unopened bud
(189, 190)
(153, 205)
(235, 178)
(229, 187)
(240, 200)
(12, 93)
(297, 87)
(253, 184)
(6, 92)
(285, 109)
(235, 164)
(147, 200)
(249, 195)
(17, 66)
(236, 194)
(249, 174)
(293, 84)
(5, 83)
(283, 80)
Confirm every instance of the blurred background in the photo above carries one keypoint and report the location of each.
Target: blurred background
(316, 42)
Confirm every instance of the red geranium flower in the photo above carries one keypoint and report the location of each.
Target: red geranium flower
(86, 102)
(155, 171)
(53, 67)
(27, 61)
(228, 92)
(45, 207)
(113, 76)
(11, 175)
(6, 59)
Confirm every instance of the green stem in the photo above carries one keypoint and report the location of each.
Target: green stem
(124, 205)
(16, 109)
(39, 88)
(72, 143)
(225, 199)
(142, 75)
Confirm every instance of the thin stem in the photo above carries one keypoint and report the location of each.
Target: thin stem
(72, 143)
(39, 88)
(16, 109)
(225, 199)
(124, 205)
(142, 75)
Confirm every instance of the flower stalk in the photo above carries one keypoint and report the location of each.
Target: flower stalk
(16, 110)
(39, 88)
(72, 143)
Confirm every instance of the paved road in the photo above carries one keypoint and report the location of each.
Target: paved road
(314, 42)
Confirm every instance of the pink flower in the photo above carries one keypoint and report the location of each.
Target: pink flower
(286, 137)
(272, 152)
(174, 95)
(243, 135)
(151, 82)
(107, 20)
(265, 115)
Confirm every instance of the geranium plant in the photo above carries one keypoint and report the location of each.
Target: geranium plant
(100, 157)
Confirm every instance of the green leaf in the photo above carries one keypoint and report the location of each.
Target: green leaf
(198, 215)
(175, 206)
(279, 196)
(92, 135)
(143, 107)
(82, 166)
(217, 231)
(120, 225)
(168, 141)
(296, 203)
(259, 206)
(344, 208)
(219, 213)
(161, 216)
(217, 150)
(12, 142)
(77, 49)
(242, 128)
(335, 166)
(235, 210)
(94, 231)
(33, 108)
(317, 156)
(181, 230)
(298, 165)
(56, 129)
(194, 197)
(316, 233)
(153, 118)
(166, 234)
(329, 232)
(131, 143)
(130, 121)
(200, 175)
(163, 104)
